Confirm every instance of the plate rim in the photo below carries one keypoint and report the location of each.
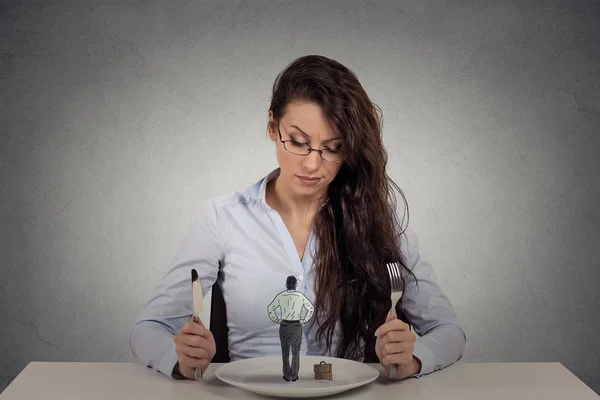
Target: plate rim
(305, 391)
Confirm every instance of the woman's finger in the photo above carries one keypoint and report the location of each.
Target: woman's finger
(397, 348)
(195, 341)
(403, 358)
(396, 337)
(195, 352)
(192, 362)
(193, 328)
(393, 325)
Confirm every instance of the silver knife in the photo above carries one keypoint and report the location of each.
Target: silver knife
(197, 307)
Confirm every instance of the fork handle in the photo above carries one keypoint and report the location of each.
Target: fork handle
(393, 367)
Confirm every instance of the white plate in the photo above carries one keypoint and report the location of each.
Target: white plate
(263, 375)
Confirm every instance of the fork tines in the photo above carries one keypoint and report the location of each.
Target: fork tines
(395, 276)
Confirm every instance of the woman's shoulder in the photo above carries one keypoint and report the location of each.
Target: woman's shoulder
(409, 246)
(240, 197)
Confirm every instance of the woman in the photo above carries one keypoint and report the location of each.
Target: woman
(326, 216)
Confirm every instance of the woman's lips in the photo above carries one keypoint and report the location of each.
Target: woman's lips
(308, 181)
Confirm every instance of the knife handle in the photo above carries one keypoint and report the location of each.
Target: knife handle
(197, 371)
(393, 371)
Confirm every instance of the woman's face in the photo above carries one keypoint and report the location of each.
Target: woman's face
(305, 124)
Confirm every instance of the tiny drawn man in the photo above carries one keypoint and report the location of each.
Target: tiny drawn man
(290, 303)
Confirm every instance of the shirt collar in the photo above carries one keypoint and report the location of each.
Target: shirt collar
(262, 192)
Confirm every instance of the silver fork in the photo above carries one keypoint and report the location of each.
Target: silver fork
(396, 285)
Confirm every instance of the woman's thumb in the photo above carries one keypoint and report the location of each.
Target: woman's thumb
(198, 320)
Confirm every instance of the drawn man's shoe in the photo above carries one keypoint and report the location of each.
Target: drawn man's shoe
(286, 378)
(294, 378)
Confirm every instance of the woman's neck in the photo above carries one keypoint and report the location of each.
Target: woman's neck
(299, 209)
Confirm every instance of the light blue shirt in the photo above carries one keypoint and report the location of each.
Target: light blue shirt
(256, 252)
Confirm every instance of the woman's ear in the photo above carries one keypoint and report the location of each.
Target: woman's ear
(271, 127)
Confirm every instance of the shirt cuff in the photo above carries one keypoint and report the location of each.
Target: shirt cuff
(424, 354)
(168, 361)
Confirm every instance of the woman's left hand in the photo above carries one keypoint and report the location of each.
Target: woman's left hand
(394, 345)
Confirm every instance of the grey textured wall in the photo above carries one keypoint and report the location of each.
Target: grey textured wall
(117, 118)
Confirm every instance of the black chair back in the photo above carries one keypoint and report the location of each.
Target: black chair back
(218, 324)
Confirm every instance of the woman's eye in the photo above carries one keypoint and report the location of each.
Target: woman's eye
(298, 144)
(328, 150)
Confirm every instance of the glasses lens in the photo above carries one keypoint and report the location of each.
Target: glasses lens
(300, 149)
(332, 155)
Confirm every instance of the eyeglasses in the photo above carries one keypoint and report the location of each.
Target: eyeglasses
(303, 149)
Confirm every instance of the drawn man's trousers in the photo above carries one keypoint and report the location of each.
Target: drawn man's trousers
(290, 334)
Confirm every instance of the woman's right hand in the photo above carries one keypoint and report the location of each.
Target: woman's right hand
(195, 346)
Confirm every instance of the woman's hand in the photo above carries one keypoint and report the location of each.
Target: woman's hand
(195, 346)
(395, 345)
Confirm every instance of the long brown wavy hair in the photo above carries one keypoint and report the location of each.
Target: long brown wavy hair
(357, 229)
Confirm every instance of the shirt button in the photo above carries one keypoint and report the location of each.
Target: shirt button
(300, 277)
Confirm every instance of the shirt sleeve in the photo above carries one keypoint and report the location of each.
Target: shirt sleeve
(272, 307)
(170, 306)
(441, 340)
(310, 309)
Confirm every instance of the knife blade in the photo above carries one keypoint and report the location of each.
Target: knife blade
(196, 294)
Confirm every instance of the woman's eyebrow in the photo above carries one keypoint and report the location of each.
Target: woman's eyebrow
(308, 137)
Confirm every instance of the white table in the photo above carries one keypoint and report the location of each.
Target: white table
(115, 381)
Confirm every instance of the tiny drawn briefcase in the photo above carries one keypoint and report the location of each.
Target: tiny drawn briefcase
(323, 371)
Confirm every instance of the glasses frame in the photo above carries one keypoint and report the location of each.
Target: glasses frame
(310, 149)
